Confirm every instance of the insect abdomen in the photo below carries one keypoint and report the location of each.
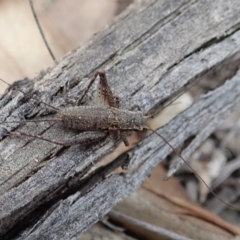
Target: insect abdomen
(85, 118)
(102, 118)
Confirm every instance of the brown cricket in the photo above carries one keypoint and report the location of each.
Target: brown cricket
(104, 121)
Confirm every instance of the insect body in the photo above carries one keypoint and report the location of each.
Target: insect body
(106, 120)
(92, 118)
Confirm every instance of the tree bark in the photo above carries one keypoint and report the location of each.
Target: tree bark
(151, 52)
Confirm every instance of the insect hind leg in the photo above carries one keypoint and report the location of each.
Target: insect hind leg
(84, 139)
(105, 95)
(78, 102)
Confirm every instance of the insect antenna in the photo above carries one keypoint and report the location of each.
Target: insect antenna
(36, 120)
(41, 31)
(198, 176)
(55, 108)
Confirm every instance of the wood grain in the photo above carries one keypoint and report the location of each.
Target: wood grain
(150, 53)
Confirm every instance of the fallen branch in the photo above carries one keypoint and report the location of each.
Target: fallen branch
(150, 53)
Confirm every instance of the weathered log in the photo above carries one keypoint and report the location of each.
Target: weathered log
(150, 53)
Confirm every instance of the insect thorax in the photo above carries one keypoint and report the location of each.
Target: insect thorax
(126, 120)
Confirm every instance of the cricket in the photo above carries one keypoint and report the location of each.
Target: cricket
(100, 123)
(103, 121)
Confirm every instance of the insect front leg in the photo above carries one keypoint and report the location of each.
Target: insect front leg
(119, 134)
(123, 136)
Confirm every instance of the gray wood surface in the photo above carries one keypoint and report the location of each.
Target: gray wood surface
(150, 53)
